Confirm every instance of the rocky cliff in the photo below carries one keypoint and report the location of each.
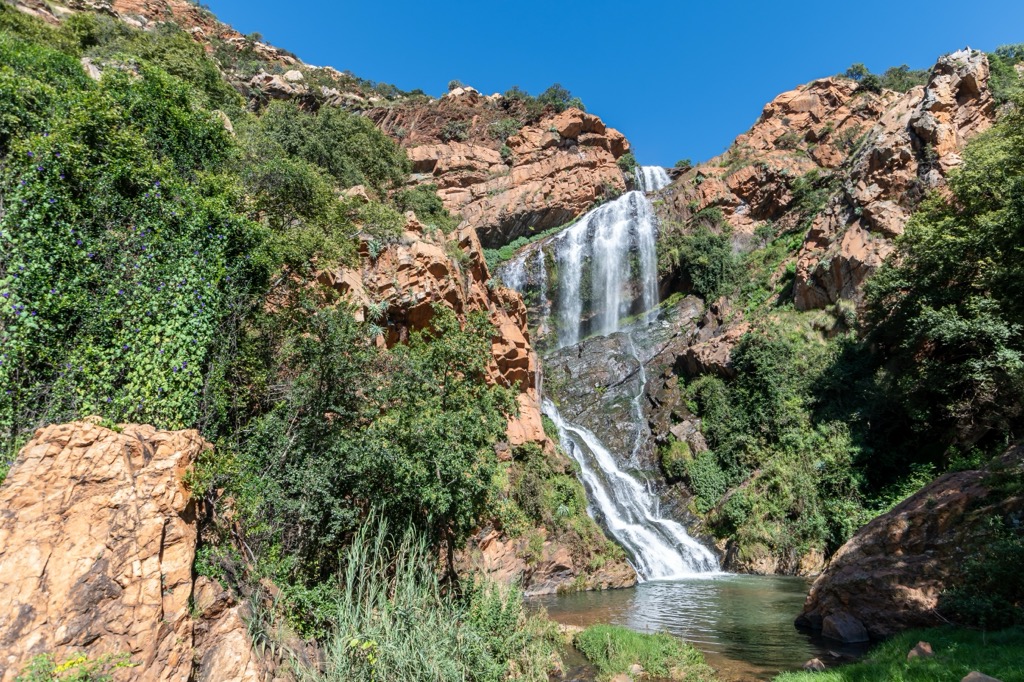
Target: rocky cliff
(405, 280)
(890, 575)
(545, 174)
(871, 155)
(97, 539)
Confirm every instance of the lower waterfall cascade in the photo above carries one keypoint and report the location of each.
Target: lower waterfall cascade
(606, 270)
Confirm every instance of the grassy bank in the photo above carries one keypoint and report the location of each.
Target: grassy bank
(614, 649)
(957, 652)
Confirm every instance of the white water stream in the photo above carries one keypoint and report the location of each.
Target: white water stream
(607, 268)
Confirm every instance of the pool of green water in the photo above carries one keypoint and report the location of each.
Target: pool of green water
(743, 624)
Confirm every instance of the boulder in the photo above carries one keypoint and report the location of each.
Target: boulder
(920, 650)
(888, 577)
(975, 676)
(814, 665)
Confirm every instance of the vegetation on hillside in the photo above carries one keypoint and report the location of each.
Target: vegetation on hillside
(832, 420)
(156, 268)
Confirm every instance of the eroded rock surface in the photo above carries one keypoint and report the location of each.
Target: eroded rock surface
(888, 577)
(97, 539)
(551, 172)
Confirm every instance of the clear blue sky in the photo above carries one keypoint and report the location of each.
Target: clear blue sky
(678, 78)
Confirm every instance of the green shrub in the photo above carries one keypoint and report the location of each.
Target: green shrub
(504, 129)
(457, 131)
(348, 147)
(990, 595)
(424, 202)
(704, 259)
(627, 163)
(674, 458)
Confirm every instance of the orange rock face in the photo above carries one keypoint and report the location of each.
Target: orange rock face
(422, 270)
(553, 171)
(885, 150)
(503, 560)
(97, 539)
(909, 151)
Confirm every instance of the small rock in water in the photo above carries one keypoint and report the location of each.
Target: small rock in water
(636, 670)
(975, 676)
(814, 664)
(920, 650)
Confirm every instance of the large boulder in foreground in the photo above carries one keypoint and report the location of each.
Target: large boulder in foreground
(890, 574)
(97, 539)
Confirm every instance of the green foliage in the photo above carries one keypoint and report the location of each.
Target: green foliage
(857, 72)
(704, 259)
(416, 440)
(674, 459)
(392, 619)
(947, 314)
(683, 163)
(902, 78)
(990, 594)
(613, 649)
(1004, 80)
(559, 99)
(957, 653)
(424, 202)
(455, 131)
(627, 163)
(504, 129)
(121, 254)
(555, 98)
(80, 668)
(346, 146)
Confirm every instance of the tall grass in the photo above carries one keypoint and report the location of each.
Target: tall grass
(395, 621)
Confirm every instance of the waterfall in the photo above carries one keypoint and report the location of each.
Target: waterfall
(606, 269)
(651, 178)
(660, 548)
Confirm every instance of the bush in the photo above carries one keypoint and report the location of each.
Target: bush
(424, 202)
(504, 129)
(457, 131)
(346, 146)
(627, 163)
(990, 595)
(704, 259)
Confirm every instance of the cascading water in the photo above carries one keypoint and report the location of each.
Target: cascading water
(661, 548)
(651, 178)
(605, 268)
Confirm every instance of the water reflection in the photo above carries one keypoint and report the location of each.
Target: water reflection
(743, 624)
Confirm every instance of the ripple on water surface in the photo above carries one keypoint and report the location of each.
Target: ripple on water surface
(743, 624)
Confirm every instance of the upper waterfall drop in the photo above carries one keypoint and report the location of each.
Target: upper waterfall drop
(606, 264)
(651, 178)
